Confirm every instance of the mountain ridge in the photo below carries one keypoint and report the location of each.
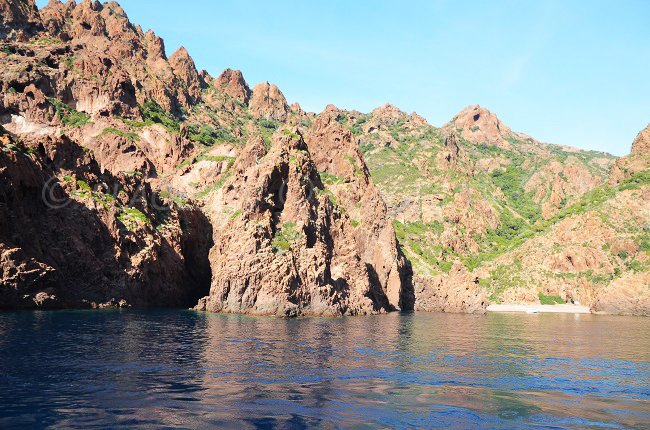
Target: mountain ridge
(430, 218)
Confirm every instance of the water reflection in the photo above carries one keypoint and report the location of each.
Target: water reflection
(185, 369)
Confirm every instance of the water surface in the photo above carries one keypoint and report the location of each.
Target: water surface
(183, 369)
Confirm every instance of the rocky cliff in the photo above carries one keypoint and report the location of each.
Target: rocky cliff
(179, 186)
(168, 162)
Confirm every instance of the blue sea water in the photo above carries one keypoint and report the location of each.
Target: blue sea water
(185, 369)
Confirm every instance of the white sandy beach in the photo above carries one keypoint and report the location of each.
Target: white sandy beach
(565, 309)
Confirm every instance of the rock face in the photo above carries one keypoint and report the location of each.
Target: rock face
(66, 241)
(479, 125)
(628, 295)
(232, 83)
(268, 102)
(18, 19)
(637, 161)
(336, 154)
(286, 249)
(641, 145)
(457, 292)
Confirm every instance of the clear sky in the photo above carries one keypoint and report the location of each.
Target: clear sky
(567, 72)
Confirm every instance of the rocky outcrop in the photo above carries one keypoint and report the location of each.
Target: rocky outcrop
(479, 125)
(285, 249)
(185, 70)
(232, 83)
(72, 236)
(628, 295)
(155, 158)
(641, 144)
(19, 19)
(268, 102)
(456, 292)
(636, 162)
(336, 153)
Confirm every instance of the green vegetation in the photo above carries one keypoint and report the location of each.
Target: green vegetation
(356, 127)
(638, 179)
(266, 127)
(216, 159)
(330, 195)
(132, 123)
(208, 135)
(284, 237)
(69, 62)
(331, 179)
(289, 133)
(213, 187)
(502, 278)
(67, 115)
(153, 113)
(550, 300)
(343, 119)
(126, 134)
(512, 183)
(416, 241)
(83, 186)
(132, 217)
(45, 41)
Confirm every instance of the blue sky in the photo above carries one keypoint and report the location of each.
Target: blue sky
(567, 72)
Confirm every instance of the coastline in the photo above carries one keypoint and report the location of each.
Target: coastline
(533, 308)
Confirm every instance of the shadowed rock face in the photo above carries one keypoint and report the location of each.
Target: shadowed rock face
(18, 19)
(337, 154)
(63, 245)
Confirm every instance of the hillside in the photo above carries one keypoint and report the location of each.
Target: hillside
(177, 188)
(526, 219)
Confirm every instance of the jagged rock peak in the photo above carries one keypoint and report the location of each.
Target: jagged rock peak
(388, 114)
(331, 108)
(185, 69)
(232, 83)
(297, 109)
(641, 144)
(478, 125)
(475, 115)
(155, 45)
(268, 102)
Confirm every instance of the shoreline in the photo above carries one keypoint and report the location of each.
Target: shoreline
(533, 308)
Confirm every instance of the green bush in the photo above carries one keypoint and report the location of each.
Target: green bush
(126, 134)
(152, 113)
(208, 135)
(356, 127)
(67, 115)
(131, 217)
(331, 179)
(637, 180)
(550, 300)
(511, 181)
(284, 237)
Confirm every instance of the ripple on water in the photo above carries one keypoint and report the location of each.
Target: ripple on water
(81, 369)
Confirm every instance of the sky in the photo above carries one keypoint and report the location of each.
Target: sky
(567, 72)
